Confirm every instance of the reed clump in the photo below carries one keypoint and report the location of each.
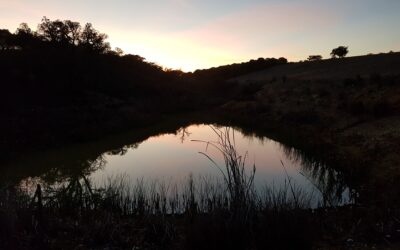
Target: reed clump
(238, 183)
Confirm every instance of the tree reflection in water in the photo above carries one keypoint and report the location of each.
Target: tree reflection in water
(73, 178)
(329, 182)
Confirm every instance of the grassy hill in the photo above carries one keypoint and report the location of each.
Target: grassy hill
(332, 69)
(346, 109)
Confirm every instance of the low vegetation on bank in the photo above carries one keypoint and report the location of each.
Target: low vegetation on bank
(196, 214)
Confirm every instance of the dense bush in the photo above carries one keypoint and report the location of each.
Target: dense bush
(237, 69)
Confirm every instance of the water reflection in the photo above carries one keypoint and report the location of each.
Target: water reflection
(329, 182)
(175, 156)
(183, 133)
(123, 150)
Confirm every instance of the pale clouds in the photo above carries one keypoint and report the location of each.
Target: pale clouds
(262, 23)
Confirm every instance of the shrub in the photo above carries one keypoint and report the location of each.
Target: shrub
(314, 58)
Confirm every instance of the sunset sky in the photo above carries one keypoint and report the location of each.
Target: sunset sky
(192, 34)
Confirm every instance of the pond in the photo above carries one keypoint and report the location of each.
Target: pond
(171, 157)
(191, 151)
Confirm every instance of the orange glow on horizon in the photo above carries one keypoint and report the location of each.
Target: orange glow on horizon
(190, 35)
(175, 51)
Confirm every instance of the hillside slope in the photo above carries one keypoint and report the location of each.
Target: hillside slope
(332, 69)
(348, 110)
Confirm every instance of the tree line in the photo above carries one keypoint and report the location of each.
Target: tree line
(64, 61)
(57, 33)
(338, 52)
(237, 69)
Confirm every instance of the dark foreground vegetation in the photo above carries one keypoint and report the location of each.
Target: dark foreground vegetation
(205, 213)
(63, 85)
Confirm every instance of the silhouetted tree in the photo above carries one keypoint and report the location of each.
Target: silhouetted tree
(119, 51)
(53, 31)
(66, 32)
(23, 29)
(314, 58)
(92, 39)
(69, 32)
(5, 39)
(74, 31)
(24, 37)
(340, 52)
(116, 52)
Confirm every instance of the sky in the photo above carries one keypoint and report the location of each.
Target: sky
(195, 34)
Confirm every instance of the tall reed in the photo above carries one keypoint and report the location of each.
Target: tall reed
(238, 183)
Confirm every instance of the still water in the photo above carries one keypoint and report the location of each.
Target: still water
(172, 157)
(175, 156)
